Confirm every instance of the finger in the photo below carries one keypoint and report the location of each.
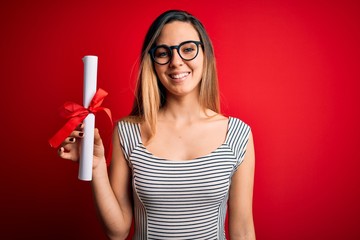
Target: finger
(97, 138)
(77, 134)
(80, 127)
(70, 140)
(65, 155)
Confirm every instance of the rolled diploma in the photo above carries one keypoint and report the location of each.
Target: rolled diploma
(87, 143)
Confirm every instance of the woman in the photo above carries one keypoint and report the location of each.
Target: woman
(177, 162)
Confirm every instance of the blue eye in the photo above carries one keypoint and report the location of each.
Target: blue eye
(188, 50)
(162, 52)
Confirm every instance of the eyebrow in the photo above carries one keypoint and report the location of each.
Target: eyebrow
(163, 44)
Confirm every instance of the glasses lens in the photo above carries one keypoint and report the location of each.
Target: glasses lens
(188, 51)
(162, 55)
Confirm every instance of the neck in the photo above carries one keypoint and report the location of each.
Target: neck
(182, 109)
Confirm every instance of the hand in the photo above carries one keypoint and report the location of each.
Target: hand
(70, 148)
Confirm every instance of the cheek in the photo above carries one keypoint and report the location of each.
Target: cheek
(198, 65)
(158, 71)
(200, 60)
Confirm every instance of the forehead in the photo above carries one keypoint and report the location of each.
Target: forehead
(176, 32)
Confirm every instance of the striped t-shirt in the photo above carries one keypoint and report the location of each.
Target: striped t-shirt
(182, 199)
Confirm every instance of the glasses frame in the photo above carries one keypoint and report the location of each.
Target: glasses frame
(171, 48)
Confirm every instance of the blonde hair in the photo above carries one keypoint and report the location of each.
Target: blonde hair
(150, 94)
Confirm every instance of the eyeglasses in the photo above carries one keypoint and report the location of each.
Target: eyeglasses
(187, 50)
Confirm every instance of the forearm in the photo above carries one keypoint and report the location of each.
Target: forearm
(243, 229)
(246, 235)
(112, 214)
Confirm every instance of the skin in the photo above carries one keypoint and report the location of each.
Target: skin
(182, 121)
(182, 124)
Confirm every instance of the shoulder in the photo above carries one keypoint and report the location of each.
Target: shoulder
(239, 135)
(129, 120)
(237, 123)
(127, 127)
(214, 117)
(239, 132)
(128, 132)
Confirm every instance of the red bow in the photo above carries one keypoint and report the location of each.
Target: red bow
(76, 114)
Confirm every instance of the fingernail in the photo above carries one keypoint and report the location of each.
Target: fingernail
(80, 125)
(72, 140)
(81, 134)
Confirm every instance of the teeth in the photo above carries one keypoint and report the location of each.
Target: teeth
(178, 76)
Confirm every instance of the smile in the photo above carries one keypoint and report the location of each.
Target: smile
(179, 76)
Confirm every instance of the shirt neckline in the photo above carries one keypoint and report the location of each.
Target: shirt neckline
(185, 160)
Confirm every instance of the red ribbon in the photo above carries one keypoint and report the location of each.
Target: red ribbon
(76, 114)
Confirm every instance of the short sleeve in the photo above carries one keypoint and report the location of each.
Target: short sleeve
(129, 134)
(239, 133)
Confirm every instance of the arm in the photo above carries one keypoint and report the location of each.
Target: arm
(112, 193)
(241, 225)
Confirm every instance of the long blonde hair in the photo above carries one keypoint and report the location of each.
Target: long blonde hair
(150, 95)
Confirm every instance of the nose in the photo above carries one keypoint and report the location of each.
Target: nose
(175, 58)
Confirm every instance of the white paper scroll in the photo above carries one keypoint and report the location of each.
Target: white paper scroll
(87, 143)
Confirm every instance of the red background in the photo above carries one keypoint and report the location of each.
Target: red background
(289, 69)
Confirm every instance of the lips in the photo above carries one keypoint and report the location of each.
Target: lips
(179, 75)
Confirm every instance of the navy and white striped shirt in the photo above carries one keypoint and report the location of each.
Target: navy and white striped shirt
(182, 199)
